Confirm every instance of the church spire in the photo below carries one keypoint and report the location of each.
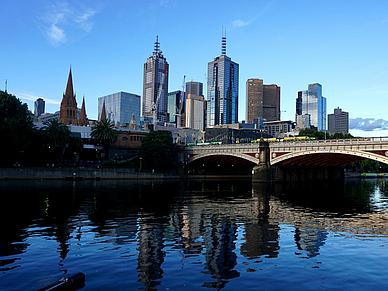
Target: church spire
(103, 112)
(83, 121)
(68, 112)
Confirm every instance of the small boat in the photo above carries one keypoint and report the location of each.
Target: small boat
(74, 282)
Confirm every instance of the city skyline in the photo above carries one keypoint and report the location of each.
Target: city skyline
(339, 45)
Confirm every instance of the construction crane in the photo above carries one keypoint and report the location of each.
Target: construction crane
(156, 102)
(179, 107)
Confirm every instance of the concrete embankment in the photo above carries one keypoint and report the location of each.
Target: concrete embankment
(96, 174)
(76, 174)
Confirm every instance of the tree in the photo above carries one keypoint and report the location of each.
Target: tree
(16, 128)
(55, 135)
(106, 133)
(157, 149)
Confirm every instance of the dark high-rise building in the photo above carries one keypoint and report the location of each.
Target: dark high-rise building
(263, 102)
(222, 90)
(39, 107)
(194, 88)
(338, 121)
(152, 78)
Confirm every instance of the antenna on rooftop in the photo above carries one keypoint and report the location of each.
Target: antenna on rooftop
(223, 45)
(6, 84)
(157, 44)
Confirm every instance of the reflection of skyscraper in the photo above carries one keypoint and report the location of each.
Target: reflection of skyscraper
(310, 239)
(220, 257)
(222, 90)
(151, 254)
(153, 71)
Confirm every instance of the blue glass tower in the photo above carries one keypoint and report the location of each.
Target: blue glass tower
(311, 102)
(222, 90)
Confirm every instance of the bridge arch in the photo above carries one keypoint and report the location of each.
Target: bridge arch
(331, 157)
(251, 158)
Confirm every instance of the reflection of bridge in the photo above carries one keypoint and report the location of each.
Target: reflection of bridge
(322, 153)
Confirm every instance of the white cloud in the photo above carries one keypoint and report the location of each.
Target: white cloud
(368, 124)
(32, 97)
(240, 23)
(58, 18)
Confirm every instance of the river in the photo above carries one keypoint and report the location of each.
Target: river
(195, 234)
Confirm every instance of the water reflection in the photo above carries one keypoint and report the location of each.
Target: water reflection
(209, 223)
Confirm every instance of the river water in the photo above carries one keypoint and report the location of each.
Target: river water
(195, 234)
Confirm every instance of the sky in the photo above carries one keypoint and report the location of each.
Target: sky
(343, 45)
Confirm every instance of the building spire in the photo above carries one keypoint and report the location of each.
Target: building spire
(223, 42)
(103, 112)
(83, 121)
(157, 49)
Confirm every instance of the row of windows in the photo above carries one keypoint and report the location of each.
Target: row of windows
(133, 138)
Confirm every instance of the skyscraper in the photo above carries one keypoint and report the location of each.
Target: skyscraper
(338, 121)
(152, 78)
(263, 102)
(120, 107)
(39, 107)
(195, 113)
(68, 113)
(222, 89)
(311, 102)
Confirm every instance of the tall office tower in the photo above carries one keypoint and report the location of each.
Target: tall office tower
(195, 106)
(263, 102)
(195, 88)
(120, 107)
(153, 72)
(39, 107)
(222, 89)
(312, 102)
(174, 103)
(338, 121)
(68, 113)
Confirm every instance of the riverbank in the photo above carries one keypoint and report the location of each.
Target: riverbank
(95, 174)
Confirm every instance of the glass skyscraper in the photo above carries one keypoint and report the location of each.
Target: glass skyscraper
(311, 102)
(222, 90)
(153, 72)
(120, 107)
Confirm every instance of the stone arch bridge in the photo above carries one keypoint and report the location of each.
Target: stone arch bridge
(295, 160)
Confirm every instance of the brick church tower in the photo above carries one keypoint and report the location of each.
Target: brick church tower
(68, 113)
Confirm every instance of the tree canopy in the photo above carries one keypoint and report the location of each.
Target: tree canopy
(157, 149)
(16, 128)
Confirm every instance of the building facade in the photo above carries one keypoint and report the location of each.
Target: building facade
(39, 107)
(175, 102)
(263, 102)
(120, 108)
(154, 68)
(312, 102)
(222, 90)
(195, 113)
(338, 122)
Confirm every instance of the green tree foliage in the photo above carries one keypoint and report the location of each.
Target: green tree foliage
(55, 135)
(321, 135)
(16, 129)
(106, 133)
(157, 149)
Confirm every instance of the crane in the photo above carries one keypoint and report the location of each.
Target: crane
(178, 109)
(156, 102)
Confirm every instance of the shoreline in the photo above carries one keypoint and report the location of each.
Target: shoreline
(78, 174)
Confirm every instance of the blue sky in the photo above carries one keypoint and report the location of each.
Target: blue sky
(340, 44)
